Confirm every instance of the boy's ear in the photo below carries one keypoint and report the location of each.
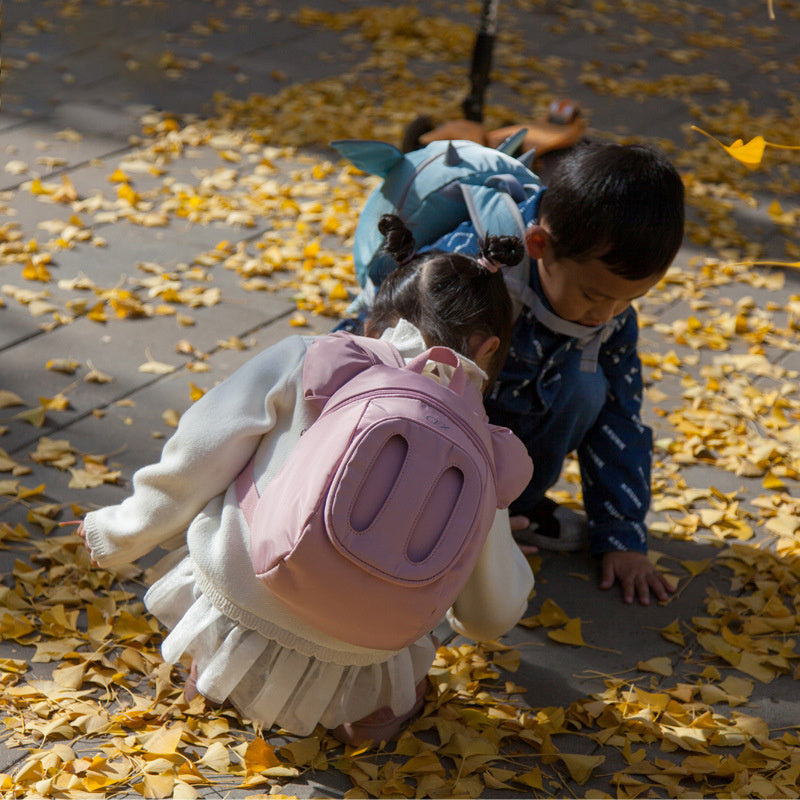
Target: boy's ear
(536, 239)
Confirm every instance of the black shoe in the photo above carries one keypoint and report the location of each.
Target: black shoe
(554, 527)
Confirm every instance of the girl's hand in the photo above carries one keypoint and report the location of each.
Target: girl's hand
(519, 523)
(636, 575)
(82, 533)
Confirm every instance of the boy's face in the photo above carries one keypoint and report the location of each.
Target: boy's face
(585, 292)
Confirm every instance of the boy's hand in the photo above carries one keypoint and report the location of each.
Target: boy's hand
(636, 575)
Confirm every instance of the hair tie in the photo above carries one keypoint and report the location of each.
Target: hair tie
(489, 263)
(406, 259)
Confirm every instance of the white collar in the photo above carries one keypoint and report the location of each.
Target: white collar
(407, 338)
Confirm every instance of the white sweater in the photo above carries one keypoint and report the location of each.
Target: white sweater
(260, 409)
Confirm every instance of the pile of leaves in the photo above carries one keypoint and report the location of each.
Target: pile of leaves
(111, 717)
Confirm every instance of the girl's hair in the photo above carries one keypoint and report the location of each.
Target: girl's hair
(622, 204)
(449, 297)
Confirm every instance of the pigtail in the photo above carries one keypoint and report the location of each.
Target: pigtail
(398, 240)
(499, 251)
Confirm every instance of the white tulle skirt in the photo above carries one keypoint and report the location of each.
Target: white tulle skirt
(268, 683)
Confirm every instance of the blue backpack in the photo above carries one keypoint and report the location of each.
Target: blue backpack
(433, 190)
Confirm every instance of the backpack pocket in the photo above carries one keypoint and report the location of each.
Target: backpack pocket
(405, 499)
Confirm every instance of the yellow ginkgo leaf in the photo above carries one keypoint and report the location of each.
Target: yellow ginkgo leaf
(532, 778)
(581, 767)
(69, 676)
(696, 567)
(58, 402)
(775, 210)
(97, 313)
(302, 751)
(65, 365)
(118, 176)
(127, 194)
(216, 757)
(661, 665)
(171, 417)
(155, 367)
(156, 785)
(772, 481)
(551, 614)
(96, 376)
(184, 791)
(34, 416)
(16, 665)
(36, 272)
(509, 660)
(569, 634)
(8, 398)
(195, 392)
(164, 741)
(633, 756)
(260, 756)
(37, 187)
(751, 153)
(339, 292)
(672, 633)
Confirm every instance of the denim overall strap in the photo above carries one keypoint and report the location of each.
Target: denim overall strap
(589, 338)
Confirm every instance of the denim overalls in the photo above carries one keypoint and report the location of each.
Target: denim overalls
(555, 407)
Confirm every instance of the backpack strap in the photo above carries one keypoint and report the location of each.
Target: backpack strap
(246, 491)
(589, 339)
(500, 207)
(442, 355)
(383, 352)
(333, 359)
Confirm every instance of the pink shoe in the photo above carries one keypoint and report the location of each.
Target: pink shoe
(380, 725)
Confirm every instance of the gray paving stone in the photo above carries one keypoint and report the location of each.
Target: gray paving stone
(132, 429)
(125, 346)
(46, 148)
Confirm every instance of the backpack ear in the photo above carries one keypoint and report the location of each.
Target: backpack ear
(512, 463)
(376, 158)
(526, 159)
(512, 143)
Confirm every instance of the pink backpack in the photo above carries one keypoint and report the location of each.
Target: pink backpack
(376, 520)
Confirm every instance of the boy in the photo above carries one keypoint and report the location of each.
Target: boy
(602, 234)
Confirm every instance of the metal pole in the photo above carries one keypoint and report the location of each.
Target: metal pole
(472, 105)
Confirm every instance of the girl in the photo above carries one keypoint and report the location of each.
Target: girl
(245, 646)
